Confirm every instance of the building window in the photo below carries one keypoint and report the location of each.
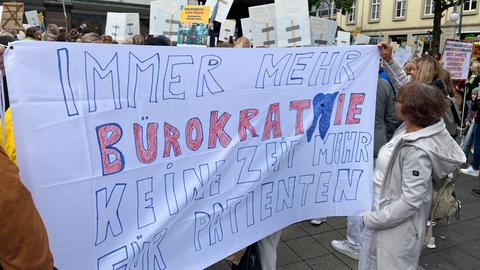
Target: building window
(469, 5)
(400, 8)
(324, 9)
(375, 11)
(428, 8)
(352, 15)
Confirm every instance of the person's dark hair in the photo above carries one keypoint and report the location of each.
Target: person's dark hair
(6, 37)
(421, 104)
(30, 32)
(158, 40)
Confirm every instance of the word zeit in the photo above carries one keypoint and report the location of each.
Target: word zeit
(329, 67)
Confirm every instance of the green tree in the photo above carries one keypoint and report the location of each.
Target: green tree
(439, 7)
(342, 5)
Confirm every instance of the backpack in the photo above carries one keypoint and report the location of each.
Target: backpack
(250, 259)
(451, 118)
(445, 204)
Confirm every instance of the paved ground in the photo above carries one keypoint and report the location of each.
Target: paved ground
(304, 246)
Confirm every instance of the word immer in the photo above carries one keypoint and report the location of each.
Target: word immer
(306, 68)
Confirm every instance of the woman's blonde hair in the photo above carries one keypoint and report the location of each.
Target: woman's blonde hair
(136, 40)
(408, 67)
(428, 69)
(242, 42)
(475, 66)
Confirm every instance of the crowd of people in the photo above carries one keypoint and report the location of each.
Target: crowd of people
(416, 124)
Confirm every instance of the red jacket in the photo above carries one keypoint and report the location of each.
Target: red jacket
(23, 238)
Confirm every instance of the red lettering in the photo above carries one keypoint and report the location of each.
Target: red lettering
(171, 140)
(216, 130)
(244, 123)
(299, 106)
(338, 115)
(272, 122)
(355, 100)
(194, 124)
(108, 135)
(149, 155)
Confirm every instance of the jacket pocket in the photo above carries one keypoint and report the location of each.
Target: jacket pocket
(414, 227)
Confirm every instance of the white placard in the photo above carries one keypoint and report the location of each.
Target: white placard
(264, 29)
(222, 10)
(402, 56)
(343, 38)
(293, 23)
(361, 39)
(322, 31)
(247, 28)
(227, 30)
(164, 17)
(456, 58)
(121, 26)
(176, 158)
(32, 18)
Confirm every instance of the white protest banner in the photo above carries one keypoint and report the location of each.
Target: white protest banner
(402, 56)
(456, 58)
(343, 38)
(264, 29)
(32, 18)
(164, 17)
(227, 30)
(293, 23)
(322, 31)
(361, 39)
(176, 158)
(247, 28)
(222, 9)
(122, 25)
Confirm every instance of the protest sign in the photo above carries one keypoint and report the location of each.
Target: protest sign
(402, 56)
(121, 26)
(418, 44)
(264, 29)
(193, 29)
(456, 58)
(476, 50)
(12, 15)
(164, 17)
(322, 31)
(361, 39)
(343, 38)
(247, 28)
(176, 158)
(219, 9)
(227, 30)
(32, 18)
(293, 23)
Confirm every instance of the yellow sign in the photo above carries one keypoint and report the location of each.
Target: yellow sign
(194, 14)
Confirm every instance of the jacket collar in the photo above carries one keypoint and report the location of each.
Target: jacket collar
(422, 133)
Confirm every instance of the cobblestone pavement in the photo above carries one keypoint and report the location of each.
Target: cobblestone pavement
(306, 247)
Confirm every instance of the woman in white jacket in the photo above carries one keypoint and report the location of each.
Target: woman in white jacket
(420, 149)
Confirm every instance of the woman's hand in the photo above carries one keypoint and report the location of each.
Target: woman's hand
(385, 51)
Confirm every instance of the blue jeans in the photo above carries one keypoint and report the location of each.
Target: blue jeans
(476, 148)
(467, 144)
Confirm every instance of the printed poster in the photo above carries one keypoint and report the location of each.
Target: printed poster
(263, 23)
(32, 18)
(164, 18)
(322, 31)
(456, 58)
(361, 39)
(219, 9)
(193, 29)
(343, 38)
(173, 158)
(247, 28)
(293, 23)
(227, 30)
(121, 26)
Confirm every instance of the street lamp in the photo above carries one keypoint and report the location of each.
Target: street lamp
(454, 17)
